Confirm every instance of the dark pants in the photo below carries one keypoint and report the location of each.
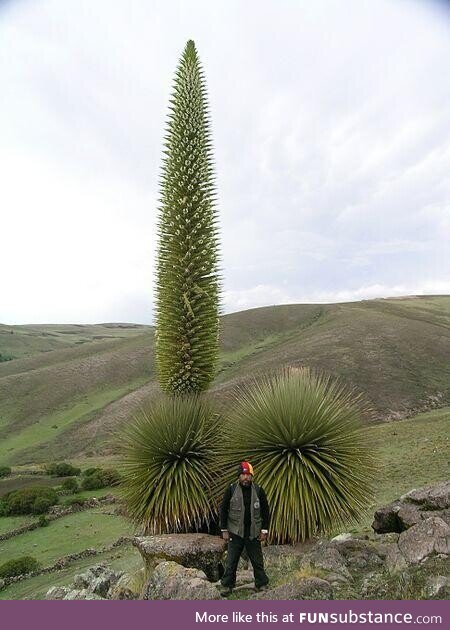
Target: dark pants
(236, 545)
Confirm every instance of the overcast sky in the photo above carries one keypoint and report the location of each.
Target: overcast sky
(331, 131)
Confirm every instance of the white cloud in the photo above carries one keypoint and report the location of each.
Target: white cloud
(266, 295)
(332, 140)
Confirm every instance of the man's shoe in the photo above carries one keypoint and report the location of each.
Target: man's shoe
(225, 591)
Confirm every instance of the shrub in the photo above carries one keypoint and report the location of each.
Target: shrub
(74, 501)
(90, 471)
(302, 433)
(5, 471)
(3, 507)
(42, 505)
(93, 482)
(34, 500)
(43, 521)
(19, 566)
(111, 477)
(169, 463)
(70, 485)
(62, 469)
(100, 478)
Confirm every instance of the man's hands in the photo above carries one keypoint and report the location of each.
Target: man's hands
(226, 536)
(262, 537)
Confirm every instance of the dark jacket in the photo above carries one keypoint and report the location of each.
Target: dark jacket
(231, 517)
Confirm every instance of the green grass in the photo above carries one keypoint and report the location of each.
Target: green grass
(125, 558)
(26, 481)
(29, 340)
(8, 523)
(67, 535)
(412, 453)
(50, 427)
(98, 494)
(397, 352)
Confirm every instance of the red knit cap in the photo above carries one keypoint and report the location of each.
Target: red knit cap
(245, 468)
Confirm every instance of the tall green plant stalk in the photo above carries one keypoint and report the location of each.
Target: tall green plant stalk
(187, 302)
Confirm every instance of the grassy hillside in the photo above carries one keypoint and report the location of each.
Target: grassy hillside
(26, 341)
(411, 453)
(71, 399)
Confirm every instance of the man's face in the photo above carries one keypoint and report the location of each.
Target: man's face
(245, 479)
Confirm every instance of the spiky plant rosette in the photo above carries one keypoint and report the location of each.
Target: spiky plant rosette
(187, 275)
(302, 433)
(169, 463)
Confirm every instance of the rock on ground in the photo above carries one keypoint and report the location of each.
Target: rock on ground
(414, 507)
(198, 551)
(432, 497)
(129, 586)
(302, 588)
(431, 536)
(438, 586)
(95, 583)
(326, 558)
(170, 580)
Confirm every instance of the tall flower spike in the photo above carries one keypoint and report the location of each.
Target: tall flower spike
(188, 281)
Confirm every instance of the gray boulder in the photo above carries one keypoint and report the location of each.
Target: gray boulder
(57, 592)
(170, 580)
(304, 588)
(198, 551)
(431, 536)
(360, 554)
(386, 520)
(414, 507)
(326, 558)
(443, 514)
(437, 586)
(129, 586)
(395, 560)
(75, 594)
(409, 515)
(98, 580)
(286, 557)
(432, 497)
(95, 583)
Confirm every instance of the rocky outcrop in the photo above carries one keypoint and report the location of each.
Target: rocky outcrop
(414, 507)
(302, 588)
(61, 592)
(197, 551)
(95, 583)
(410, 562)
(129, 586)
(432, 497)
(326, 557)
(431, 536)
(170, 580)
(438, 587)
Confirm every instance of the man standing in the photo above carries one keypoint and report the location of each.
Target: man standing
(244, 521)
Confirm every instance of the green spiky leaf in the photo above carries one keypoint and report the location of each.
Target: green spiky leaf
(187, 301)
(302, 433)
(169, 464)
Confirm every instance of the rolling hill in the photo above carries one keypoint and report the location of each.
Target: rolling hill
(69, 387)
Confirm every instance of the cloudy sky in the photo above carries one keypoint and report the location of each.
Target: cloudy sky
(331, 129)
